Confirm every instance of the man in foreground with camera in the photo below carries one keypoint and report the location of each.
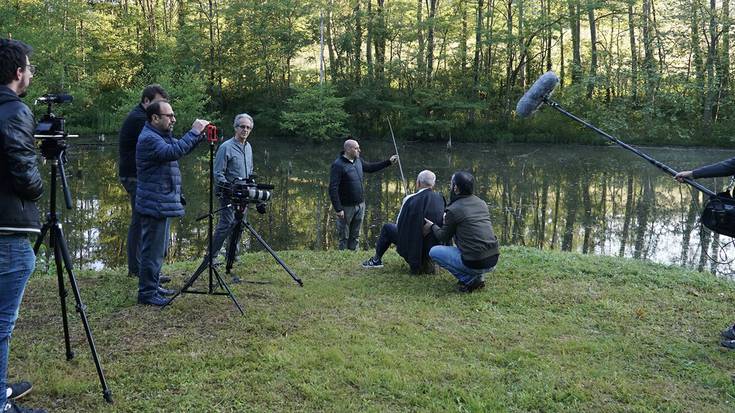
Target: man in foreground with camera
(20, 187)
(467, 220)
(407, 232)
(346, 192)
(233, 163)
(129, 132)
(158, 191)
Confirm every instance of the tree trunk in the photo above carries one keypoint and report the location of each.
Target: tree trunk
(334, 62)
(633, 55)
(369, 41)
(430, 41)
(357, 46)
(576, 41)
(593, 51)
(710, 92)
(420, 60)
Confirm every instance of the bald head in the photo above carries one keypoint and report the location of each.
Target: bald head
(426, 179)
(352, 149)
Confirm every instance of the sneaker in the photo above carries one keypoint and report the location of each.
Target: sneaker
(728, 343)
(11, 407)
(236, 279)
(18, 390)
(729, 333)
(165, 291)
(476, 283)
(373, 262)
(156, 301)
(162, 279)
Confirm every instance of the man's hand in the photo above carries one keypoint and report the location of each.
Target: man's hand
(199, 125)
(427, 227)
(394, 159)
(683, 175)
(341, 214)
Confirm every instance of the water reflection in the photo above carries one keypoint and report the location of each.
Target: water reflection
(601, 200)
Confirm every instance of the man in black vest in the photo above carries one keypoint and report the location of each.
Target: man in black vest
(406, 233)
(346, 192)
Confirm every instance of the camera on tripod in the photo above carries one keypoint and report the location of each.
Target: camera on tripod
(245, 191)
(51, 128)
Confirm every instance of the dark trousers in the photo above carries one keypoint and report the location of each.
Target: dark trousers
(388, 235)
(133, 243)
(152, 250)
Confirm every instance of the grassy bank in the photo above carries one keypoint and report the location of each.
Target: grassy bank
(551, 332)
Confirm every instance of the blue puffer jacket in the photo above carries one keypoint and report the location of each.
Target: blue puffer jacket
(159, 180)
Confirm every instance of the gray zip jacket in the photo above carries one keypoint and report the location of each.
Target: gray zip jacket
(233, 161)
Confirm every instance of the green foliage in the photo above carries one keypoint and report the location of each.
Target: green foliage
(315, 112)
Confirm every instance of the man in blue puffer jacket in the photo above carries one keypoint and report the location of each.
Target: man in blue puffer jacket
(158, 194)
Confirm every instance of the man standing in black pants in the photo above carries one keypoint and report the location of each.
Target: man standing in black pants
(346, 191)
(20, 187)
(131, 128)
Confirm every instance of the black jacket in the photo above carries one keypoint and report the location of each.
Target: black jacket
(724, 168)
(345, 180)
(411, 244)
(129, 132)
(20, 181)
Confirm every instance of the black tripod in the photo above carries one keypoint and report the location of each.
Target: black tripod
(209, 263)
(242, 222)
(52, 149)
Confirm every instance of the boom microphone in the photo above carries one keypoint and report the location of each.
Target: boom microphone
(55, 98)
(536, 95)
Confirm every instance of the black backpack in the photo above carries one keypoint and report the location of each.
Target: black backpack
(719, 214)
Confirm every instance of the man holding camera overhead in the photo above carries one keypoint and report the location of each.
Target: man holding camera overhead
(20, 187)
(233, 162)
(158, 193)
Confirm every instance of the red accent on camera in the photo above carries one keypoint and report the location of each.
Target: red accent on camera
(211, 131)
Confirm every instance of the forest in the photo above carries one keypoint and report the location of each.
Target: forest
(650, 71)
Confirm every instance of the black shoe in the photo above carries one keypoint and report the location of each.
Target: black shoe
(11, 407)
(729, 333)
(475, 284)
(166, 291)
(156, 301)
(236, 279)
(728, 343)
(372, 262)
(20, 389)
(163, 279)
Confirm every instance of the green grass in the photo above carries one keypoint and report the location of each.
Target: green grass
(550, 332)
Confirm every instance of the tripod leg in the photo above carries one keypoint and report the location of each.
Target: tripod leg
(62, 292)
(81, 308)
(224, 285)
(40, 238)
(204, 265)
(273, 253)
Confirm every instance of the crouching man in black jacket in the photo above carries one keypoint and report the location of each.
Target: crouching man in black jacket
(20, 187)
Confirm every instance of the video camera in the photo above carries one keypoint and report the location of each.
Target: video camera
(51, 127)
(245, 191)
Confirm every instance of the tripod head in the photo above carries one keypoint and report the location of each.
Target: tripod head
(51, 131)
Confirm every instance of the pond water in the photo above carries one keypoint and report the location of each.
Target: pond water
(590, 199)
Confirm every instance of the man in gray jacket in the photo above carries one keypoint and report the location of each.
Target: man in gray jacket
(233, 162)
(467, 219)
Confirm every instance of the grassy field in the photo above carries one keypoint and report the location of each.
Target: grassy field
(550, 332)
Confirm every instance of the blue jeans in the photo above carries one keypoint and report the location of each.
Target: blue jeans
(134, 230)
(349, 227)
(17, 262)
(152, 250)
(450, 258)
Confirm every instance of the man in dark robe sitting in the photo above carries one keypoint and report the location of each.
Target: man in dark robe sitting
(406, 233)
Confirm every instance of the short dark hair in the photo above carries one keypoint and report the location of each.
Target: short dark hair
(13, 55)
(464, 181)
(150, 92)
(154, 109)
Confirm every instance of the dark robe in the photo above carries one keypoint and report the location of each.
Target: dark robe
(411, 244)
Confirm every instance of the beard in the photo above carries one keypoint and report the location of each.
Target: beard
(453, 196)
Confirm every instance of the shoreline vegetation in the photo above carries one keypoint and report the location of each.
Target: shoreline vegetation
(552, 331)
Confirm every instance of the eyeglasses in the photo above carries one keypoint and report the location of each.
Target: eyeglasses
(32, 68)
(246, 127)
(168, 115)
